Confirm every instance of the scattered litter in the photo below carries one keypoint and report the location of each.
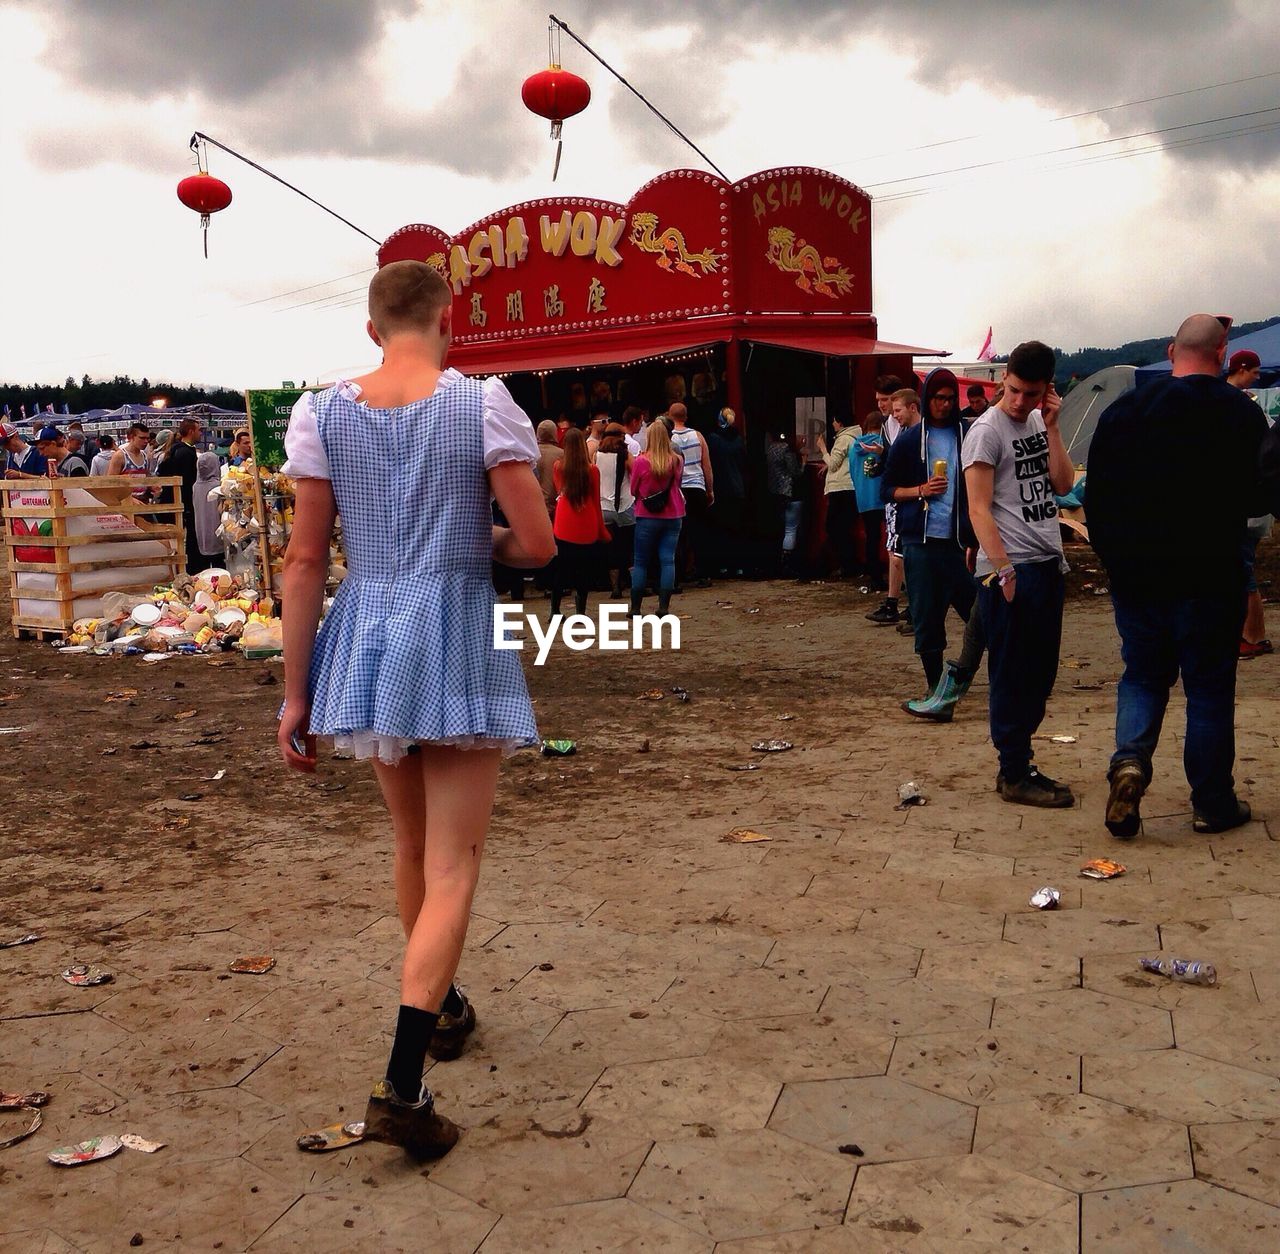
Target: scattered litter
(746, 766)
(1183, 970)
(176, 824)
(144, 744)
(546, 966)
(791, 625)
(29, 939)
(213, 779)
(74, 648)
(855, 1150)
(785, 718)
(17, 1101)
(653, 694)
(909, 794)
(1046, 898)
(559, 748)
(103, 1106)
(1073, 664)
(1058, 740)
(183, 715)
(771, 746)
(156, 657)
(86, 1151)
(680, 694)
(644, 748)
(109, 753)
(11, 731)
(190, 796)
(125, 694)
(335, 1136)
(257, 964)
(131, 1140)
(1102, 591)
(33, 1125)
(754, 610)
(86, 977)
(1102, 869)
(744, 836)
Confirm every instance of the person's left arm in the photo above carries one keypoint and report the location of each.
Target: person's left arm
(706, 468)
(1062, 474)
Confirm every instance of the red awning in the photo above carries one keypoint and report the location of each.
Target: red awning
(835, 343)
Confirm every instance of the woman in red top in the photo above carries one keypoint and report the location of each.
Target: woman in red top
(579, 525)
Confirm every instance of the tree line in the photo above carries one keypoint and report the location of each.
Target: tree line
(111, 394)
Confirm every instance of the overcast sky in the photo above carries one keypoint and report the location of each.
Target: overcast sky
(987, 134)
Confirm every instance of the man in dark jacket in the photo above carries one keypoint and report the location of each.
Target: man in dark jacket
(922, 479)
(1178, 591)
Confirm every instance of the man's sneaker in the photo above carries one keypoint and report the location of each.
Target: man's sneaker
(1034, 789)
(1208, 823)
(452, 1031)
(1128, 783)
(1254, 648)
(414, 1126)
(885, 616)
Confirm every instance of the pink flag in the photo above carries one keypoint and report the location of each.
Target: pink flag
(986, 352)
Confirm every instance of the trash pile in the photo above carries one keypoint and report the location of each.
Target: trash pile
(210, 612)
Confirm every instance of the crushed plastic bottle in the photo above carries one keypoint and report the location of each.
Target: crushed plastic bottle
(1184, 970)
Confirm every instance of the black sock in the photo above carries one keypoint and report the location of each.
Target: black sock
(891, 602)
(453, 1003)
(414, 1029)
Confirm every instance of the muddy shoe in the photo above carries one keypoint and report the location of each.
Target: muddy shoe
(1224, 822)
(884, 616)
(1128, 783)
(452, 1031)
(414, 1126)
(1034, 789)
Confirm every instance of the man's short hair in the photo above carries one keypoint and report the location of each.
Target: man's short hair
(975, 391)
(138, 428)
(601, 414)
(406, 296)
(888, 384)
(107, 441)
(632, 413)
(908, 397)
(1032, 362)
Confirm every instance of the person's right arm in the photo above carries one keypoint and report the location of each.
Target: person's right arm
(980, 479)
(116, 465)
(527, 541)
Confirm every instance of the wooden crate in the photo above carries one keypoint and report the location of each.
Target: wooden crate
(113, 494)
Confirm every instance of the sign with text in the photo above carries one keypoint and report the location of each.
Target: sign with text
(268, 411)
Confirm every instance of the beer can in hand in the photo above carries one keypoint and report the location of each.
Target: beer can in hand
(940, 468)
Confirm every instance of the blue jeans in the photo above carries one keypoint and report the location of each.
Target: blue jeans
(655, 537)
(1023, 641)
(1198, 636)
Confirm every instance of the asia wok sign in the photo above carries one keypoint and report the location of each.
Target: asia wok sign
(687, 245)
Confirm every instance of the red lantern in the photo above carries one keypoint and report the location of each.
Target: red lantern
(555, 94)
(205, 195)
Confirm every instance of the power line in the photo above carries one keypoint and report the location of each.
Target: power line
(1066, 117)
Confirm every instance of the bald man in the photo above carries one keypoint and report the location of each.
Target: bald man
(1168, 523)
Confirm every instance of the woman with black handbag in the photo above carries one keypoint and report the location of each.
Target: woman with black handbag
(655, 484)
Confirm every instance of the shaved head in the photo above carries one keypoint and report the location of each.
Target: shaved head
(678, 412)
(1199, 346)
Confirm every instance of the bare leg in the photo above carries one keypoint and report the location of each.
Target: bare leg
(896, 576)
(404, 792)
(1255, 621)
(459, 785)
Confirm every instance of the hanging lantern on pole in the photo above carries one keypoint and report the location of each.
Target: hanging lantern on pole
(204, 194)
(556, 94)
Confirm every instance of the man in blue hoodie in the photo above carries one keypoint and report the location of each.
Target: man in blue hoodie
(922, 479)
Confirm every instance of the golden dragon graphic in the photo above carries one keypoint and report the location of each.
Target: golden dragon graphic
(814, 272)
(670, 247)
(436, 262)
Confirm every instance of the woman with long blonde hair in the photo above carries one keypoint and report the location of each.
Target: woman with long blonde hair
(655, 484)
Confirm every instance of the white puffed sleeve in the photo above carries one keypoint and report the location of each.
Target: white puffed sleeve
(508, 433)
(302, 444)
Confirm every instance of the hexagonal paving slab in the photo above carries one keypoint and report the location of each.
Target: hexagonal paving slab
(188, 1057)
(1184, 1087)
(700, 1183)
(620, 1226)
(1084, 1143)
(999, 967)
(942, 924)
(760, 994)
(1246, 1038)
(680, 1097)
(1083, 931)
(984, 1067)
(619, 1034)
(805, 1047)
(1082, 1021)
(1121, 975)
(586, 984)
(426, 1217)
(908, 1007)
(884, 1117)
(843, 957)
(1188, 1215)
(55, 1043)
(970, 1202)
(1244, 1157)
(529, 1161)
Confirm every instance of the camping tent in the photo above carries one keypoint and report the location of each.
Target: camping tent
(1266, 343)
(1083, 405)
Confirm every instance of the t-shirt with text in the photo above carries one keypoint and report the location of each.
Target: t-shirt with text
(1022, 503)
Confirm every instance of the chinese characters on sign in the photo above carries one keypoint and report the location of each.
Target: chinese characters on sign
(515, 306)
(478, 315)
(595, 297)
(551, 301)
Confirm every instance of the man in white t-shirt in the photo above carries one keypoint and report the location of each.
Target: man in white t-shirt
(1014, 462)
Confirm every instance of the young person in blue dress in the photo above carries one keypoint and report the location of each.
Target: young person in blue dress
(404, 670)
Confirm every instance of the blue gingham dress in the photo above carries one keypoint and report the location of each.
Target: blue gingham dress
(406, 652)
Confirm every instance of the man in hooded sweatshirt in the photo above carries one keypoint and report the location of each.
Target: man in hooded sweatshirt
(922, 479)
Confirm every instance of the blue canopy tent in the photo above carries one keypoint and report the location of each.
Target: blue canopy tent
(1266, 343)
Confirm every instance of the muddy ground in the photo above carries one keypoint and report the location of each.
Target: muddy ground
(607, 902)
